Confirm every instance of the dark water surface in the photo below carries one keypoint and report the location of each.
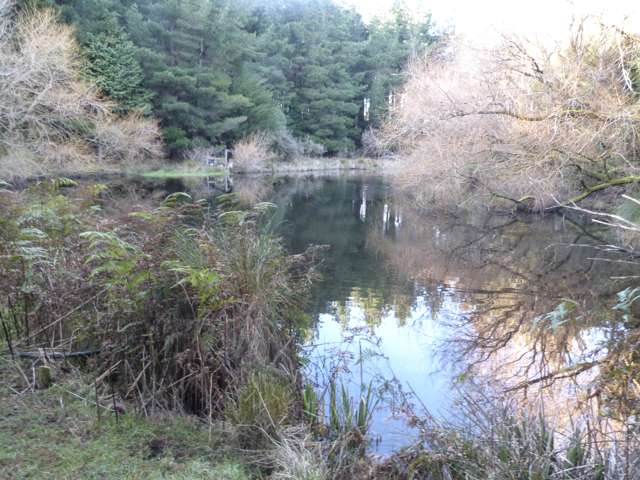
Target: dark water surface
(410, 298)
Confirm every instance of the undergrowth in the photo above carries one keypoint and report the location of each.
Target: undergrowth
(173, 306)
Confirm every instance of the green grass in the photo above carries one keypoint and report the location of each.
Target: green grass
(55, 435)
(183, 172)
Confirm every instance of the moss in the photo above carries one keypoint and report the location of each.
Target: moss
(53, 435)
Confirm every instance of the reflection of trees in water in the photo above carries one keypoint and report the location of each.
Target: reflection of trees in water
(370, 306)
(536, 309)
(340, 213)
(532, 308)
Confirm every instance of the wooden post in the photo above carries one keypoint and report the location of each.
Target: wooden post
(43, 377)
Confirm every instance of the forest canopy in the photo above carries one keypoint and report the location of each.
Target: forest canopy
(214, 71)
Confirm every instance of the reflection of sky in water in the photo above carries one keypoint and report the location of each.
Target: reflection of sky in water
(362, 307)
(395, 349)
(367, 301)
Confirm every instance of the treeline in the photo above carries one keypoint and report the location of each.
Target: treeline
(310, 72)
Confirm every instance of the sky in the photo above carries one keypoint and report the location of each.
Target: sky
(539, 17)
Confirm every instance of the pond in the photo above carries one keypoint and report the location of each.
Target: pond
(411, 298)
(418, 302)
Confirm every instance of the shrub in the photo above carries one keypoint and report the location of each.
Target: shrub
(179, 306)
(127, 140)
(50, 118)
(253, 153)
(521, 122)
(290, 148)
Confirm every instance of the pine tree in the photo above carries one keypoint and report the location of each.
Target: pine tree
(390, 46)
(314, 48)
(215, 70)
(112, 63)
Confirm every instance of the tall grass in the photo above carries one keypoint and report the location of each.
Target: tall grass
(179, 307)
(499, 438)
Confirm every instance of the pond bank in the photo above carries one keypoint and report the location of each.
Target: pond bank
(397, 282)
(188, 310)
(57, 433)
(317, 165)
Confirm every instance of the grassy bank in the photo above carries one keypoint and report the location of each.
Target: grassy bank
(311, 164)
(173, 314)
(58, 433)
(184, 172)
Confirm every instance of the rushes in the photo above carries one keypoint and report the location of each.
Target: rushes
(500, 439)
(347, 420)
(182, 306)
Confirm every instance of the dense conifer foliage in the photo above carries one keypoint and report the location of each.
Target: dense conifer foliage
(213, 71)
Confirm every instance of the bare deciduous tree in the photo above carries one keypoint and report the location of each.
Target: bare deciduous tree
(523, 122)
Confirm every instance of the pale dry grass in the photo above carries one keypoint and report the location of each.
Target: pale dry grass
(296, 456)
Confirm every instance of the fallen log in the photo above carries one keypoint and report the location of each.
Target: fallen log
(54, 354)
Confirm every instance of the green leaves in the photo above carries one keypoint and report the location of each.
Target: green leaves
(192, 268)
(121, 262)
(213, 72)
(111, 62)
(63, 182)
(626, 298)
(310, 403)
(177, 198)
(344, 417)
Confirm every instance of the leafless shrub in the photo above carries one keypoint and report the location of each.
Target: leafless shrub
(253, 153)
(128, 140)
(200, 155)
(521, 122)
(49, 117)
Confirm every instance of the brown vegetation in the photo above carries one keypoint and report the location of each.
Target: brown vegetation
(253, 153)
(51, 119)
(176, 313)
(522, 122)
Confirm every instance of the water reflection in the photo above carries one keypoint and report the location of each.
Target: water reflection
(418, 300)
(373, 321)
(533, 303)
(430, 297)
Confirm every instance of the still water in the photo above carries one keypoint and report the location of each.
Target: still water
(373, 322)
(418, 301)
